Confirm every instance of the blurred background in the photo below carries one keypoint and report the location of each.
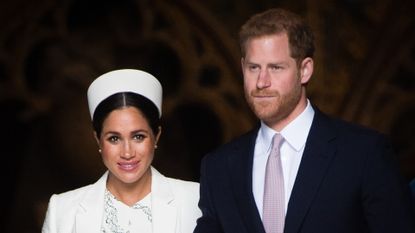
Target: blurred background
(50, 51)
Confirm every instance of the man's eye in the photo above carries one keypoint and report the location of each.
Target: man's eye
(253, 68)
(276, 67)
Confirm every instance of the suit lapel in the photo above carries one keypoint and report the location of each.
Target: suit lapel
(91, 208)
(164, 209)
(318, 153)
(240, 167)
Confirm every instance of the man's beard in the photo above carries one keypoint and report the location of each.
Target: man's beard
(275, 109)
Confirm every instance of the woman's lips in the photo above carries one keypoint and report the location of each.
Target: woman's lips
(128, 166)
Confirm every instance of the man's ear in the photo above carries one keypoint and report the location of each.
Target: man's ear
(242, 64)
(306, 70)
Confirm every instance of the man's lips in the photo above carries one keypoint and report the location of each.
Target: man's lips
(260, 94)
(264, 96)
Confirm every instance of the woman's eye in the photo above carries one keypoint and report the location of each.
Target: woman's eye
(113, 139)
(139, 137)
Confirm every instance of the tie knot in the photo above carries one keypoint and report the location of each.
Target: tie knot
(277, 141)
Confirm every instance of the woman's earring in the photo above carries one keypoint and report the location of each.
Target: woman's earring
(155, 146)
(99, 150)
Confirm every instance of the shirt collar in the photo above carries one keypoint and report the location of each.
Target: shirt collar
(295, 133)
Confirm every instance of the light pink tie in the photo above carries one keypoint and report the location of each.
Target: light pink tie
(274, 206)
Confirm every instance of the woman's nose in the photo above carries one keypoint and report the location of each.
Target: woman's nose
(128, 151)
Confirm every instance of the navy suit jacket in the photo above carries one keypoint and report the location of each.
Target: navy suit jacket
(348, 181)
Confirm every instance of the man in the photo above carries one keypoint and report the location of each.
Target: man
(329, 175)
(412, 187)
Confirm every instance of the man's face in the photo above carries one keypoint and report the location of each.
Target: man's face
(272, 80)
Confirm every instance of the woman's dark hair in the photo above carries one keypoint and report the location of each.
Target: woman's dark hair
(124, 99)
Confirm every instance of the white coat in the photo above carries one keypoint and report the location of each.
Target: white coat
(173, 202)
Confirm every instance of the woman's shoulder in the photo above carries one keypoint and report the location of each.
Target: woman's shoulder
(178, 187)
(185, 192)
(74, 192)
(183, 184)
(77, 194)
(70, 197)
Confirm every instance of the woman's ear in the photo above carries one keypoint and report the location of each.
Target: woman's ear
(157, 136)
(306, 69)
(96, 139)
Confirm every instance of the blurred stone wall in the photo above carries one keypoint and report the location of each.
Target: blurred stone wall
(51, 50)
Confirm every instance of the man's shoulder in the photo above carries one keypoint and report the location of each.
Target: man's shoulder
(354, 128)
(349, 129)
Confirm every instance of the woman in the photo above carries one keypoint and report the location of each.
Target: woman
(132, 196)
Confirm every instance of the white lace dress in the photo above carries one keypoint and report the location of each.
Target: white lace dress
(121, 218)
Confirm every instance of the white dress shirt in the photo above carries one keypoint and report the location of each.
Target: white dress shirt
(291, 152)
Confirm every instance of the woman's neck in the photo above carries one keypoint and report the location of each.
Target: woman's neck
(131, 193)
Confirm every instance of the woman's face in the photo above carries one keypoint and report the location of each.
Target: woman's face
(127, 143)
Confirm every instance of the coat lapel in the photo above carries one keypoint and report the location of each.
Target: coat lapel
(164, 209)
(91, 208)
(318, 153)
(240, 167)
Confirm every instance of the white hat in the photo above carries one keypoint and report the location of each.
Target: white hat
(125, 80)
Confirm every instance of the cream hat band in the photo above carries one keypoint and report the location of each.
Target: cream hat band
(125, 80)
